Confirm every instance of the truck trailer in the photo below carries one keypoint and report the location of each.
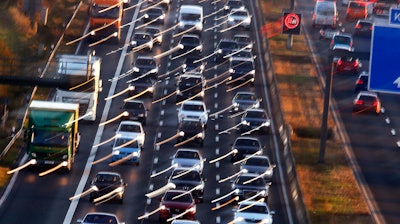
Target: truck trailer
(51, 134)
(82, 72)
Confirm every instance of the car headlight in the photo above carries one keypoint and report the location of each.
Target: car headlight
(267, 123)
(133, 43)
(257, 105)
(115, 152)
(135, 154)
(268, 172)
(33, 154)
(247, 20)
(65, 156)
(178, 92)
(199, 26)
(230, 19)
(140, 115)
(267, 220)
(136, 69)
(162, 16)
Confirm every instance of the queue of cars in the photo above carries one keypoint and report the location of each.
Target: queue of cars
(342, 49)
(178, 205)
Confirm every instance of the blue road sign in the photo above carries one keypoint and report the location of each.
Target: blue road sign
(384, 63)
(394, 16)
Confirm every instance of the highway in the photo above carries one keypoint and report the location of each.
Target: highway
(371, 141)
(35, 199)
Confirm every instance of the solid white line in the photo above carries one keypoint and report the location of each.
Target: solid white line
(93, 151)
(276, 148)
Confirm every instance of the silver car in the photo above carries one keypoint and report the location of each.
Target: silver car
(188, 158)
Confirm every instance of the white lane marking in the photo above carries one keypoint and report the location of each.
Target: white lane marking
(217, 177)
(158, 134)
(215, 95)
(217, 191)
(148, 201)
(99, 133)
(217, 151)
(161, 123)
(218, 218)
(162, 112)
(217, 128)
(151, 187)
(155, 161)
(216, 137)
(215, 105)
(217, 164)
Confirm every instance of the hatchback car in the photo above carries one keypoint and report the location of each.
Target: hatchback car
(132, 129)
(189, 180)
(190, 42)
(363, 28)
(188, 158)
(194, 109)
(141, 41)
(136, 111)
(192, 63)
(241, 71)
(342, 41)
(255, 119)
(247, 185)
(239, 18)
(260, 165)
(348, 65)
(155, 14)
(244, 146)
(126, 149)
(253, 212)
(100, 218)
(176, 202)
(145, 65)
(193, 129)
(362, 82)
(245, 100)
(225, 47)
(140, 85)
(155, 33)
(357, 10)
(367, 101)
(105, 183)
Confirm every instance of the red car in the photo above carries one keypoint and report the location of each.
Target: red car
(175, 202)
(366, 101)
(348, 65)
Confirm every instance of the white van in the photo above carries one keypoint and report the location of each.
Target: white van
(189, 16)
(325, 14)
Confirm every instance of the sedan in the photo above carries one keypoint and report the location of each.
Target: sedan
(155, 14)
(225, 47)
(244, 146)
(189, 180)
(100, 218)
(253, 212)
(133, 130)
(342, 41)
(255, 119)
(243, 40)
(126, 149)
(141, 41)
(366, 101)
(363, 28)
(155, 33)
(239, 18)
(176, 202)
(188, 158)
(145, 66)
(245, 100)
(107, 183)
(193, 109)
(135, 111)
(260, 165)
(348, 65)
(249, 185)
(191, 131)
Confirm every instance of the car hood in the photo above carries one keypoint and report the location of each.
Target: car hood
(255, 169)
(342, 47)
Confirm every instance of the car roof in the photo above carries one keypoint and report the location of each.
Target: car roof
(108, 173)
(135, 101)
(367, 93)
(245, 92)
(130, 123)
(252, 203)
(256, 110)
(193, 102)
(190, 35)
(343, 35)
(142, 33)
(187, 149)
(247, 137)
(145, 57)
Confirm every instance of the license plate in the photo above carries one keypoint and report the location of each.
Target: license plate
(48, 162)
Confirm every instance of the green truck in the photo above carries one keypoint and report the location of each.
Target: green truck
(51, 133)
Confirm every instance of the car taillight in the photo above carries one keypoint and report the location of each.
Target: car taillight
(375, 103)
(355, 63)
(360, 81)
(360, 102)
(339, 62)
(358, 26)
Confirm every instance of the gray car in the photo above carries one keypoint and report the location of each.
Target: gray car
(188, 158)
(260, 165)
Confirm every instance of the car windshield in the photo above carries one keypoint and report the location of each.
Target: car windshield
(155, 11)
(126, 143)
(187, 176)
(187, 155)
(190, 81)
(190, 40)
(240, 13)
(129, 128)
(356, 5)
(247, 142)
(192, 107)
(100, 219)
(249, 97)
(235, 4)
(253, 181)
(152, 30)
(107, 178)
(172, 196)
(342, 40)
(256, 114)
(97, 12)
(50, 138)
(254, 209)
(191, 125)
(190, 17)
(237, 64)
(145, 62)
(367, 98)
(134, 105)
(242, 39)
(325, 11)
(228, 45)
(257, 162)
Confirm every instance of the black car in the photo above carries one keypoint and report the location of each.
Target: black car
(141, 41)
(188, 179)
(243, 40)
(362, 82)
(155, 33)
(244, 146)
(225, 47)
(188, 128)
(136, 111)
(191, 63)
(106, 182)
(241, 71)
(255, 119)
(145, 66)
(155, 14)
(363, 28)
(140, 85)
(190, 41)
(190, 85)
(250, 184)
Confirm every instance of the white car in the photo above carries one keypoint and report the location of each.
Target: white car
(239, 17)
(253, 212)
(194, 109)
(188, 158)
(133, 130)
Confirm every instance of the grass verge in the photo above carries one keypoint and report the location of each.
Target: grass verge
(330, 190)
